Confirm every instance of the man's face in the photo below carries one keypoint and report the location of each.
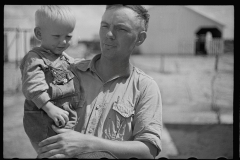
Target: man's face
(118, 32)
(56, 37)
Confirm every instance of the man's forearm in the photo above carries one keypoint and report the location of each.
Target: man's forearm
(124, 149)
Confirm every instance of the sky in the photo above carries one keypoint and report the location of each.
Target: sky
(89, 17)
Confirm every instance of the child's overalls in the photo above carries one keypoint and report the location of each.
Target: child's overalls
(64, 91)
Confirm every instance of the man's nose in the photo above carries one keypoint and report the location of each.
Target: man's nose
(110, 34)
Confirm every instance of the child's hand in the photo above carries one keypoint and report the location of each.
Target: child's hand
(59, 116)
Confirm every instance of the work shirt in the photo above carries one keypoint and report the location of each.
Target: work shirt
(125, 108)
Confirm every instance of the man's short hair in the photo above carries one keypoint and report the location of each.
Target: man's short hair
(142, 12)
(54, 13)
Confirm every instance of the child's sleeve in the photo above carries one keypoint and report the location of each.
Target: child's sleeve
(34, 85)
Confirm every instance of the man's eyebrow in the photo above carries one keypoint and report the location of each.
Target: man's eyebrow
(117, 25)
(103, 22)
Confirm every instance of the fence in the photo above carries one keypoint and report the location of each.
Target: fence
(215, 46)
(16, 45)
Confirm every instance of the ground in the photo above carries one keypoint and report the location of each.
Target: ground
(185, 85)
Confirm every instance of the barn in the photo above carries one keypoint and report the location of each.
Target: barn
(181, 30)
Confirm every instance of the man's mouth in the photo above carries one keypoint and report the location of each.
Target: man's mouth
(109, 45)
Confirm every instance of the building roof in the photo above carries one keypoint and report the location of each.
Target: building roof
(204, 15)
(195, 11)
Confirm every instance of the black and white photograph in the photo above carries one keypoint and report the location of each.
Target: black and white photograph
(118, 81)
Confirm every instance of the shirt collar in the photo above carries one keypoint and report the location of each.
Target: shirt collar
(91, 65)
(88, 64)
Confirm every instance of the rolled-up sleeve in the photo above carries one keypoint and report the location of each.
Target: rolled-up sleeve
(34, 85)
(148, 114)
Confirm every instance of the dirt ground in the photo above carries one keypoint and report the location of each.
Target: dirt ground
(185, 85)
(203, 141)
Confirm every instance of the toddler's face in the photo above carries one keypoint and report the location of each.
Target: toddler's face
(56, 37)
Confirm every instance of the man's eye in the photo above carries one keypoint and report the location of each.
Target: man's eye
(56, 36)
(122, 29)
(104, 26)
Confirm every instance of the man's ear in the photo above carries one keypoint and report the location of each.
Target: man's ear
(37, 32)
(141, 38)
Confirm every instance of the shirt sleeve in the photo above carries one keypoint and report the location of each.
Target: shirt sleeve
(34, 85)
(148, 114)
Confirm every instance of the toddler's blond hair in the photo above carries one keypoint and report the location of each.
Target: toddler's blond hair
(54, 13)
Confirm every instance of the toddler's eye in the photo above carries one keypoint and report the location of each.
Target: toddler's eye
(56, 36)
(69, 37)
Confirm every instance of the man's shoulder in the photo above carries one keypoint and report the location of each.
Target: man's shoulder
(82, 64)
(142, 74)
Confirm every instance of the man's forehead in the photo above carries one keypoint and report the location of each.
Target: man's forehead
(120, 15)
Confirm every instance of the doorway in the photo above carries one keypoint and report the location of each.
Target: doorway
(204, 35)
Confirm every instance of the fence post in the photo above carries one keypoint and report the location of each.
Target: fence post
(216, 62)
(218, 47)
(25, 42)
(17, 36)
(162, 63)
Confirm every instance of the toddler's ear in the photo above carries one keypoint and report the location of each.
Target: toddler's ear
(37, 32)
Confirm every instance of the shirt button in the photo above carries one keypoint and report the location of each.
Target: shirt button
(65, 80)
(97, 107)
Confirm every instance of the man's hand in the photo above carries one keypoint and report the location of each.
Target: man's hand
(66, 144)
(69, 144)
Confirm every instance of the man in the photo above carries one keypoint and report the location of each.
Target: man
(122, 113)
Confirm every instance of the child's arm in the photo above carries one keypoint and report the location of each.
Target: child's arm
(57, 114)
(34, 85)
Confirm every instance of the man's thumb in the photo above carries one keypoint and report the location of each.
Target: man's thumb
(59, 130)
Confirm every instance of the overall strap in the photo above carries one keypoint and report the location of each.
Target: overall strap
(39, 52)
(69, 59)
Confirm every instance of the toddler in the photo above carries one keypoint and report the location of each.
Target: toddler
(52, 91)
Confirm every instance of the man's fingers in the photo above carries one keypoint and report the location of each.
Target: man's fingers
(49, 154)
(48, 141)
(60, 130)
(59, 156)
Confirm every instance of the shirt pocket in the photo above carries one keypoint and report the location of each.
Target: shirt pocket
(125, 109)
(119, 127)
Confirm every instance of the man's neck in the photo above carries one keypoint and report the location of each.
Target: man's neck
(108, 69)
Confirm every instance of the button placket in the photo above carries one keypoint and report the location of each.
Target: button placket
(95, 115)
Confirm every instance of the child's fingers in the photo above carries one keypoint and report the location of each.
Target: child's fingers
(67, 113)
(59, 121)
(56, 122)
(65, 116)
